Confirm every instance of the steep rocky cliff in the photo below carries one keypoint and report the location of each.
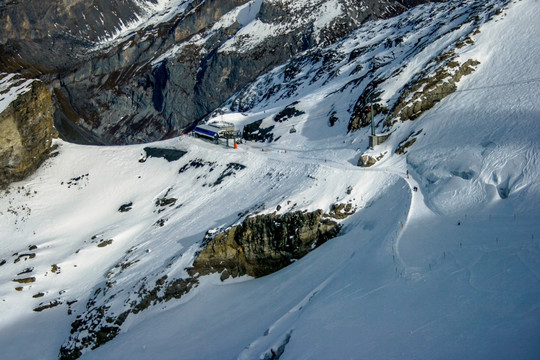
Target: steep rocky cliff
(26, 126)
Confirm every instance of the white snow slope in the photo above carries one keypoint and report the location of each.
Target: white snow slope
(402, 280)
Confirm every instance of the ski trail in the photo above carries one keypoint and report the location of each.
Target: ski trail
(272, 343)
(417, 208)
(279, 333)
(404, 268)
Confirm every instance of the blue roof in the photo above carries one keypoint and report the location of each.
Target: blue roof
(206, 130)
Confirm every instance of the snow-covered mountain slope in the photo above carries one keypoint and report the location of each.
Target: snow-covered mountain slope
(152, 14)
(316, 19)
(451, 270)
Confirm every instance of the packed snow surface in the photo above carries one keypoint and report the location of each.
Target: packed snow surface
(449, 271)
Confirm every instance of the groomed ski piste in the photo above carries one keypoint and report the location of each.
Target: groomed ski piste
(450, 271)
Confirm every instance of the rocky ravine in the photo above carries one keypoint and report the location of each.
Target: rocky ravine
(264, 244)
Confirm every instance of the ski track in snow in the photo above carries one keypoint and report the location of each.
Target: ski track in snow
(281, 329)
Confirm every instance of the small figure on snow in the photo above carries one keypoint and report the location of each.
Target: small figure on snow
(459, 222)
(415, 189)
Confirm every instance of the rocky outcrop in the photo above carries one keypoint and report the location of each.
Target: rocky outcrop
(26, 128)
(430, 89)
(405, 144)
(264, 244)
(361, 114)
(366, 161)
(254, 132)
(99, 325)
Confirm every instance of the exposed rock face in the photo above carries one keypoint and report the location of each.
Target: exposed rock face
(366, 161)
(430, 90)
(264, 244)
(254, 132)
(361, 115)
(409, 141)
(26, 130)
(436, 80)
